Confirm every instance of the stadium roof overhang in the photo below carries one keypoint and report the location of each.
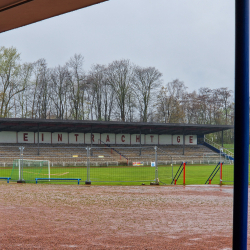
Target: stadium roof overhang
(18, 13)
(33, 125)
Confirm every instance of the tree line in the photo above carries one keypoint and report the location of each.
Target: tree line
(119, 91)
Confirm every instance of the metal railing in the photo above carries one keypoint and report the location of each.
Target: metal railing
(219, 147)
(93, 164)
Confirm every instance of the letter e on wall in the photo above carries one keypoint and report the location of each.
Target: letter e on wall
(190, 139)
(25, 136)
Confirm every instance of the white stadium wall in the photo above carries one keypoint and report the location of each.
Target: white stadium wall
(191, 140)
(76, 138)
(177, 139)
(107, 138)
(95, 138)
(165, 139)
(8, 137)
(123, 139)
(151, 139)
(135, 139)
(44, 137)
(25, 137)
(60, 138)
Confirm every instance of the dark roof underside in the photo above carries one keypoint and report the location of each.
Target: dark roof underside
(70, 126)
(18, 13)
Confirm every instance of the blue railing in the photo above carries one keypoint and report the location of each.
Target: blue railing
(226, 156)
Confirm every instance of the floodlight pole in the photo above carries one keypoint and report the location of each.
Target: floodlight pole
(241, 125)
(156, 167)
(183, 142)
(38, 151)
(88, 182)
(222, 138)
(140, 141)
(20, 165)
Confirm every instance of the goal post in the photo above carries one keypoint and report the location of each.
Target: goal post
(29, 169)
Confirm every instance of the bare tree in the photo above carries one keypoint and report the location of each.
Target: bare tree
(60, 90)
(97, 80)
(191, 107)
(100, 97)
(23, 97)
(146, 83)
(170, 102)
(44, 92)
(120, 78)
(9, 78)
(40, 90)
(225, 97)
(77, 86)
(119, 91)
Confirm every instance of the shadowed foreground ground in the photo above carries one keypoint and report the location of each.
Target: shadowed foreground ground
(115, 217)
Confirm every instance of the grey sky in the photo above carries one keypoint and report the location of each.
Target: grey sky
(192, 40)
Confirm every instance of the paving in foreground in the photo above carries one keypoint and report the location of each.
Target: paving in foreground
(115, 217)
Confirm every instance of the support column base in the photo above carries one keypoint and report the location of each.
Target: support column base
(153, 183)
(21, 182)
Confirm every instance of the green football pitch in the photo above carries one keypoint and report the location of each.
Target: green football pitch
(124, 175)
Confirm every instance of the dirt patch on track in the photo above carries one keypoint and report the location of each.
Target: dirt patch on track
(115, 217)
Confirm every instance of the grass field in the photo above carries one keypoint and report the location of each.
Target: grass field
(230, 147)
(125, 175)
